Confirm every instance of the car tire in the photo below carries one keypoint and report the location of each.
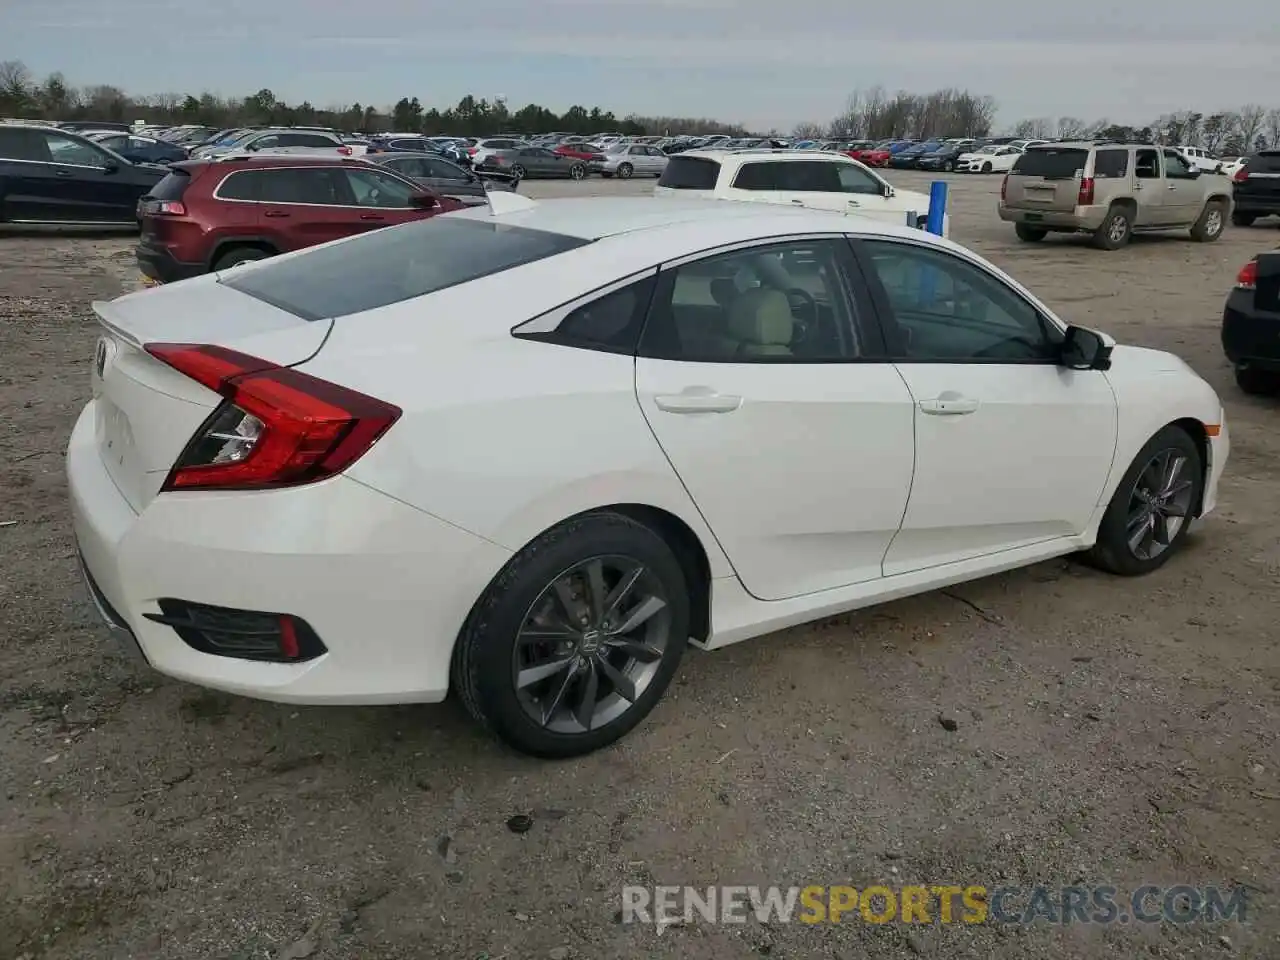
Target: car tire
(518, 172)
(1029, 234)
(1148, 498)
(1213, 220)
(625, 170)
(1243, 219)
(1258, 383)
(1116, 229)
(542, 717)
(986, 168)
(577, 172)
(238, 255)
(948, 167)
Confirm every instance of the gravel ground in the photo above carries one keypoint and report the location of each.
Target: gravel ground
(1106, 731)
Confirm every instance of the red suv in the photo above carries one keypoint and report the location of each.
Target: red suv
(213, 214)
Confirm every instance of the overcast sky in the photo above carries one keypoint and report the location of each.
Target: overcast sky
(762, 62)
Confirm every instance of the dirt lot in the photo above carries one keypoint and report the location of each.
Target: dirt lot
(1106, 731)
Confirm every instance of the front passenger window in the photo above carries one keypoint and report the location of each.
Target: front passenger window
(74, 152)
(946, 309)
(1176, 167)
(855, 180)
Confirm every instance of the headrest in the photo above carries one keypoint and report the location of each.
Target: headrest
(762, 316)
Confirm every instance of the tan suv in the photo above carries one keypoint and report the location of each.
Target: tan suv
(1112, 191)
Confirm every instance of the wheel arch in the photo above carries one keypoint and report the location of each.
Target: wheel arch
(226, 244)
(1196, 430)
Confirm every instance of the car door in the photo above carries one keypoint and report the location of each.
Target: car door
(382, 200)
(1149, 188)
(866, 196)
(89, 182)
(30, 191)
(1012, 449)
(306, 205)
(450, 180)
(767, 389)
(814, 184)
(1183, 195)
(415, 168)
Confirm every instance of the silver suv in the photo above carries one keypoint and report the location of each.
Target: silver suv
(1112, 190)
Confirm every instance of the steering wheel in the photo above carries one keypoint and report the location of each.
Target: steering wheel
(808, 303)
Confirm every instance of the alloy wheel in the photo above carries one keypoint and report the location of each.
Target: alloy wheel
(1213, 223)
(1159, 505)
(590, 644)
(1118, 228)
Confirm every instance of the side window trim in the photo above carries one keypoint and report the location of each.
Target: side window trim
(884, 314)
(548, 322)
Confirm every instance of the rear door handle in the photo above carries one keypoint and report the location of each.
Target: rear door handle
(948, 406)
(63, 173)
(697, 402)
(372, 216)
(276, 213)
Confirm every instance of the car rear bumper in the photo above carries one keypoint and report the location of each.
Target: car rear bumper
(158, 263)
(1080, 218)
(1258, 206)
(1250, 337)
(386, 587)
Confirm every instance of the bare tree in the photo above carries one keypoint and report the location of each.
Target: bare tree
(809, 131)
(1272, 128)
(17, 91)
(1071, 128)
(1250, 120)
(1033, 128)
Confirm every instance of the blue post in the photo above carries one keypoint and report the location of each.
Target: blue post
(937, 206)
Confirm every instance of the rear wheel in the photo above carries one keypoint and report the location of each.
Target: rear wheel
(625, 170)
(577, 171)
(1213, 220)
(237, 256)
(1116, 229)
(1243, 219)
(1258, 383)
(1029, 234)
(1152, 507)
(576, 639)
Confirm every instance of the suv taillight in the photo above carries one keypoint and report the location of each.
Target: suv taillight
(1004, 186)
(345, 151)
(276, 427)
(167, 208)
(1247, 278)
(1085, 197)
(1241, 175)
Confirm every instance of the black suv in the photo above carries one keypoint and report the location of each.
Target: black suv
(53, 176)
(1257, 188)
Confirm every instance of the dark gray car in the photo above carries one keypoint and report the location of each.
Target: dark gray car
(445, 178)
(534, 162)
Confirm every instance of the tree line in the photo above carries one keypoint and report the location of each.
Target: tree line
(876, 114)
(23, 96)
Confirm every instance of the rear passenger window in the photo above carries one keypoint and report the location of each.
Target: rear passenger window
(314, 185)
(1111, 163)
(807, 177)
(611, 323)
(16, 144)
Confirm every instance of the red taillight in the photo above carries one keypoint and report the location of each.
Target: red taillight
(1085, 197)
(472, 150)
(278, 427)
(1004, 186)
(168, 208)
(1240, 176)
(1247, 278)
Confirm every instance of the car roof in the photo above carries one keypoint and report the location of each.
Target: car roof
(791, 156)
(595, 218)
(275, 160)
(396, 154)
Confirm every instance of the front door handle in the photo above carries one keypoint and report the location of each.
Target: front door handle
(276, 213)
(1173, 186)
(696, 401)
(948, 406)
(372, 216)
(63, 173)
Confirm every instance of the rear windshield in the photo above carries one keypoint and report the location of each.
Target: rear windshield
(1052, 164)
(171, 187)
(395, 264)
(1264, 163)
(690, 173)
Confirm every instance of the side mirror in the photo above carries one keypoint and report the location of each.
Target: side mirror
(1085, 349)
(110, 166)
(889, 192)
(1195, 172)
(425, 201)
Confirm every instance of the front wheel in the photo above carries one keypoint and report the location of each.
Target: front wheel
(577, 171)
(948, 167)
(986, 168)
(625, 171)
(1153, 506)
(518, 172)
(1258, 383)
(576, 639)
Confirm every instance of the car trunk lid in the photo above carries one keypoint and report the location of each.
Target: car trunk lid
(1046, 179)
(145, 412)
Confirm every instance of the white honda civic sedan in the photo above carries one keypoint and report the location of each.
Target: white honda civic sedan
(530, 452)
